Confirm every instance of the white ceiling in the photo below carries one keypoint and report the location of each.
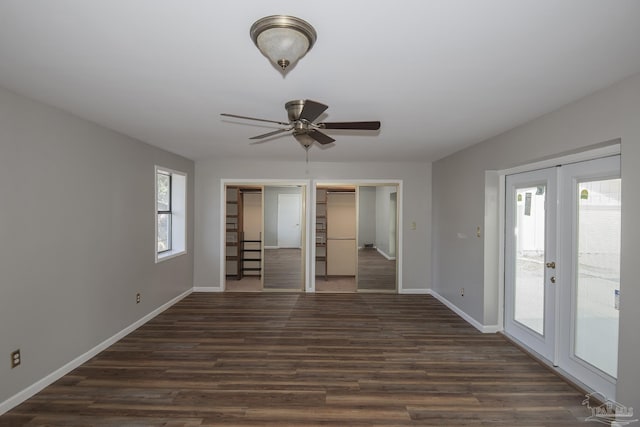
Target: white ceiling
(439, 74)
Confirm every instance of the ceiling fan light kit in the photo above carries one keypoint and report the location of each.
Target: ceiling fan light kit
(283, 39)
(301, 114)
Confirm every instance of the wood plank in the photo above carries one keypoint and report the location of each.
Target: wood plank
(298, 359)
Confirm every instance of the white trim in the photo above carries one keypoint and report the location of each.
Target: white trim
(169, 254)
(207, 289)
(491, 329)
(223, 233)
(306, 184)
(592, 154)
(485, 329)
(414, 291)
(39, 385)
(357, 182)
(502, 188)
(177, 233)
(389, 257)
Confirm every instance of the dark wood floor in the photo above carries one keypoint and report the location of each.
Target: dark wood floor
(375, 272)
(306, 359)
(283, 269)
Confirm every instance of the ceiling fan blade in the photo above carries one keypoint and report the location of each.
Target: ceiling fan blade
(265, 135)
(253, 118)
(320, 137)
(351, 125)
(312, 110)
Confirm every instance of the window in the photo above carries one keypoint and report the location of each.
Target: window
(163, 205)
(170, 213)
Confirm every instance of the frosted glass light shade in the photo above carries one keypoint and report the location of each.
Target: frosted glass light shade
(283, 39)
(304, 139)
(283, 46)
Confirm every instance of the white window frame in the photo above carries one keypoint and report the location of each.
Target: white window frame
(178, 214)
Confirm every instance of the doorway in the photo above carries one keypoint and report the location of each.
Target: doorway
(562, 267)
(265, 238)
(336, 233)
(356, 232)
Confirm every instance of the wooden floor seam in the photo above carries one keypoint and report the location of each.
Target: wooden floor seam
(306, 359)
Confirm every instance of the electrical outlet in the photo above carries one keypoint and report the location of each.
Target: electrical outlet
(16, 359)
(138, 298)
(461, 292)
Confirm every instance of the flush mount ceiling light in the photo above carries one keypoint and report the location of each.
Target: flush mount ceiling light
(283, 39)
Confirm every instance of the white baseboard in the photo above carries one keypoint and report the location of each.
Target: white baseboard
(389, 257)
(415, 291)
(207, 289)
(491, 329)
(34, 388)
(485, 329)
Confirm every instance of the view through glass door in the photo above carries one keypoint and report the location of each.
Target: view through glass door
(530, 291)
(572, 269)
(588, 344)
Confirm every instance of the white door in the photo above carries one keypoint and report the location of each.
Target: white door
(530, 256)
(289, 215)
(590, 291)
(562, 267)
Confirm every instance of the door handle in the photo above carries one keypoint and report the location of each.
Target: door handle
(553, 279)
(551, 264)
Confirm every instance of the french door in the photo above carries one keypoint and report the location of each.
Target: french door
(562, 267)
(530, 261)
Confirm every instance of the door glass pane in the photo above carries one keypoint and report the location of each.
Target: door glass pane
(529, 285)
(598, 274)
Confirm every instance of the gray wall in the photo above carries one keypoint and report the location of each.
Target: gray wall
(366, 215)
(77, 230)
(459, 206)
(417, 206)
(383, 206)
(271, 212)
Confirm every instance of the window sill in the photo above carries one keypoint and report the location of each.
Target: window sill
(164, 256)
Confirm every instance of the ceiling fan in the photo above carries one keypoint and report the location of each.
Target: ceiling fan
(302, 113)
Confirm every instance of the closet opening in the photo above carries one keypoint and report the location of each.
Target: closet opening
(356, 237)
(265, 237)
